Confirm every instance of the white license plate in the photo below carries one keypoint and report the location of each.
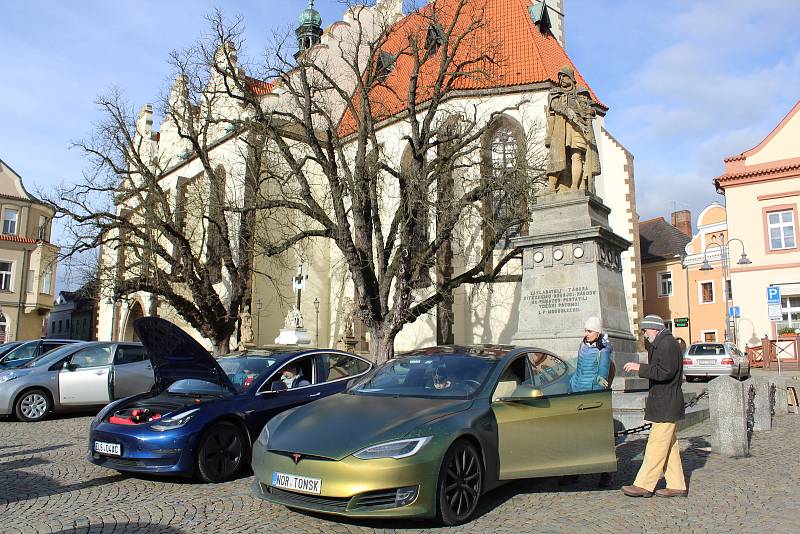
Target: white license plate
(113, 449)
(708, 362)
(292, 482)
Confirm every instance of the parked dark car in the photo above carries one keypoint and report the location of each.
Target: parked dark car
(203, 414)
(74, 376)
(25, 351)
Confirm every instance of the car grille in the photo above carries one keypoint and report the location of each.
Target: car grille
(289, 498)
(121, 463)
(377, 499)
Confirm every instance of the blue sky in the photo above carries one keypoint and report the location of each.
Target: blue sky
(687, 82)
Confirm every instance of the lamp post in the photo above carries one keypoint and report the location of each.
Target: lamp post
(259, 305)
(316, 309)
(743, 260)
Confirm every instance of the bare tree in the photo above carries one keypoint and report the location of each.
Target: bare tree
(392, 219)
(317, 165)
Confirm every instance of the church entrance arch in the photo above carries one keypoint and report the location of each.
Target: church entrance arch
(136, 311)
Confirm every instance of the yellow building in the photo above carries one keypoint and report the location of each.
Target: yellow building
(762, 192)
(682, 274)
(27, 259)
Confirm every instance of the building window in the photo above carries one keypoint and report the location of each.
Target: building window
(665, 284)
(42, 228)
(709, 336)
(433, 40)
(66, 325)
(10, 217)
(47, 276)
(384, 66)
(790, 307)
(780, 225)
(60, 324)
(53, 328)
(6, 268)
(644, 295)
(29, 282)
(3, 328)
(504, 149)
(706, 292)
(728, 290)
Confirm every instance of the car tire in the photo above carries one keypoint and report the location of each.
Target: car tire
(221, 453)
(32, 405)
(460, 483)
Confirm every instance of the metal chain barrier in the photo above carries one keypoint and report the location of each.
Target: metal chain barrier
(751, 409)
(647, 426)
(772, 399)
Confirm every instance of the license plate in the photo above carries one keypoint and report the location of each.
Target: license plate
(708, 362)
(292, 482)
(113, 449)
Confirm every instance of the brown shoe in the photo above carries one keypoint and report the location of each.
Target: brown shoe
(636, 491)
(666, 492)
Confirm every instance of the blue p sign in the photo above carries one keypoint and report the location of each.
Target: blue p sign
(773, 295)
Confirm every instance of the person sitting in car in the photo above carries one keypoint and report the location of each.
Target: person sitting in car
(440, 380)
(293, 377)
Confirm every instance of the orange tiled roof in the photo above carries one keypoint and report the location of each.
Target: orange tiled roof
(260, 87)
(522, 54)
(17, 239)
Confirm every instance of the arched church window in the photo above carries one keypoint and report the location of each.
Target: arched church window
(3, 328)
(503, 162)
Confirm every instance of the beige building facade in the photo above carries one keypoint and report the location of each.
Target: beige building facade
(27, 259)
(483, 313)
(762, 196)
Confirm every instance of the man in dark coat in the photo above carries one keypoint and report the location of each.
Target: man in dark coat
(664, 408)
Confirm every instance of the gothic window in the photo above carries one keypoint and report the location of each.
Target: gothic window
(216, 212)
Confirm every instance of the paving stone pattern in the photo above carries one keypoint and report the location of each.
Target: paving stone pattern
(46, 485)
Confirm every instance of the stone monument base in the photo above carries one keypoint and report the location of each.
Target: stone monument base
(293, 336)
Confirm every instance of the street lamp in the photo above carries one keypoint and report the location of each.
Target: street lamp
(316, 308)
(259, 305)
(743, 260)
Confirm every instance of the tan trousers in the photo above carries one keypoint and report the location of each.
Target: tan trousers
(661, 456)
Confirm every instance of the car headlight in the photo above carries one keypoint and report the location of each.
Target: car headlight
(263, 438)
(174, 421)
(394, 449)
(8, 376)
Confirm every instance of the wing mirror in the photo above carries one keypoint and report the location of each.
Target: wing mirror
(277, 385)
(69, 366)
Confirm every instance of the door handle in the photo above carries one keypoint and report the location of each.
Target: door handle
(149, 367)
(315, 394)
(589, 405)
(99, 373)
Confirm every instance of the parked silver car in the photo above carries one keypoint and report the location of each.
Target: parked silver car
(75, 376)
(714, 359)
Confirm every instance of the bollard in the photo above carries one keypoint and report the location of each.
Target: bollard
(781, 405)
(762, 417)
(728, 411)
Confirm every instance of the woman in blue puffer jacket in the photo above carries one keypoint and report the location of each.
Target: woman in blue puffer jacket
(594, 359)
(592, 373)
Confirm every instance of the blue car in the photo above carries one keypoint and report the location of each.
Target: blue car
(203, 414)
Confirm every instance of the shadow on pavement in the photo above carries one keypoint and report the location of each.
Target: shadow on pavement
(31, 451)
(117, 528)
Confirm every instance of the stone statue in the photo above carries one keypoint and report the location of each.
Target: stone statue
(570, 136)
(349, 321)
(245, 328)
(591, 165)
(294, 320)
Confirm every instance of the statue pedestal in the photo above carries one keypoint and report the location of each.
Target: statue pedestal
(293, 336)
(572, 271)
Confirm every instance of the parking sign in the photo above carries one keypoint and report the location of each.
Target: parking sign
(774, 303)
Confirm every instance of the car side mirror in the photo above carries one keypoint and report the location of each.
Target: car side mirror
(277, 385)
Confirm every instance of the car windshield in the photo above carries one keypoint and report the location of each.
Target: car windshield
(7, 347)
(446, 376)
(49, 358)
(22, 352)
(243, 370)
(707, 349)
(195, 386)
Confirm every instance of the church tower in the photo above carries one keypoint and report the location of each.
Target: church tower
(309, 32)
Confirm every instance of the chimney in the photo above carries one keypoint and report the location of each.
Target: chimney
(682, 220)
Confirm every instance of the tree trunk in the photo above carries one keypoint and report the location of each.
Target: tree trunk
(222, 346)
(381, 344)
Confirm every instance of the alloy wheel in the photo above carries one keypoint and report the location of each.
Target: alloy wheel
(221, 453)
(461, 484)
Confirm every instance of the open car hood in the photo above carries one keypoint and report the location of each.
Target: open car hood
(175, 355)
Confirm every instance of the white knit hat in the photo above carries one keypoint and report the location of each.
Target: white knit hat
(594, 324)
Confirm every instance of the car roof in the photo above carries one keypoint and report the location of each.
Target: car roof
(487, 351)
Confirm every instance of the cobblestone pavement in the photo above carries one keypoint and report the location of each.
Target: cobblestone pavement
(46, 485)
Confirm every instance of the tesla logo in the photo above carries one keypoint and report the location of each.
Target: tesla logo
(296, 457)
